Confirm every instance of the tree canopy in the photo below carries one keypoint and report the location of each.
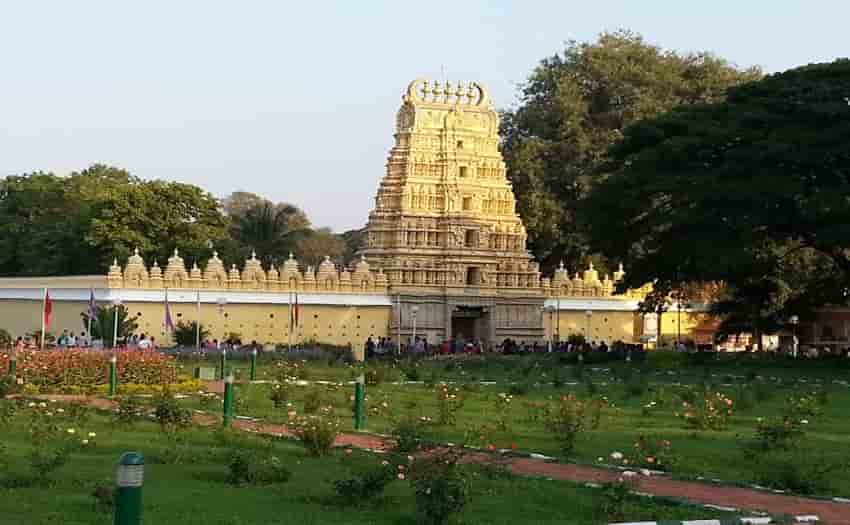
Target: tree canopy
(51, 225)
(76, 225)
(753, 191)
(573, 107)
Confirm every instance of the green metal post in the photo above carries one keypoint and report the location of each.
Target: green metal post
(128, 489)
(113, 375)
(253, 364)
(13, 364)
(228, 400)
(222, 363)
(360, 403)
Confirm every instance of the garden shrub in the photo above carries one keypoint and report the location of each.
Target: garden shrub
(279, 395)
(710, 412)
(313, 402)
(503, 409)
(653, 453)
(256, 467)
(565, 422)
(408, 432)
(449, 402)
(595, 414)
(8, 409)
(369, 485)
(171, 417)
(614, 496)
(8, 386)
(130, 409)
(779, 433)
(440, 486)
(317, 432)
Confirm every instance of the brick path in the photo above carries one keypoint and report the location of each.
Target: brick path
(833, 513)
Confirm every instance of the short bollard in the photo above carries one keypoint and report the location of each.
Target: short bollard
(113, 376)
(580, 357)
(128, 489)
(228, 400)
(254, 364)
(222, 363)
(360, 403)
(629, 356)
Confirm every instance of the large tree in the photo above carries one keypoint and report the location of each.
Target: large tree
(753, 192)
(52, 225)
(574, 106)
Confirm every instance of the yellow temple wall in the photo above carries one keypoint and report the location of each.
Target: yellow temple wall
(607, 326)
(265, 323)
(20, 317)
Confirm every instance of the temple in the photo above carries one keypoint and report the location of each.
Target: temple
(445, 229)
(444, 258)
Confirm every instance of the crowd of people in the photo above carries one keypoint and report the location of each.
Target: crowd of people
(420, 346)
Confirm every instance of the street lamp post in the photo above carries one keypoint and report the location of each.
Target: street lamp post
(222, 301)
(413, 310)
(116, 303)
(551, 310)
(558, 315)
(794, 320)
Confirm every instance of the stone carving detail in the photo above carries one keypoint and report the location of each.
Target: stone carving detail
(360, 279)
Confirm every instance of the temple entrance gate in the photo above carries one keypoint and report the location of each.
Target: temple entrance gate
(470, 323)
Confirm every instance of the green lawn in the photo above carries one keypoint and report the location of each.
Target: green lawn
(759, 388)
(194, 490)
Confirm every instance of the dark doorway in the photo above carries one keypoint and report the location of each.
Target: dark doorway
(470, 323)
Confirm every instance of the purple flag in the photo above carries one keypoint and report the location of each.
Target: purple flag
(169, 324)
(92, 305)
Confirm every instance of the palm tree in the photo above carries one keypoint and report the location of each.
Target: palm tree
(272, 230)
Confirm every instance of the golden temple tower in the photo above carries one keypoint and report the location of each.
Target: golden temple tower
(445, 229)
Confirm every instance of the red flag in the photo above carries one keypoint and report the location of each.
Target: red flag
(48, 309)
(296, 309)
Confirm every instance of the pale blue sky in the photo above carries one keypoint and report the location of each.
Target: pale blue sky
(296, 100)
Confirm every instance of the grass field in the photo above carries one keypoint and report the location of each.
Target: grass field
(186, 485)
(761, 390)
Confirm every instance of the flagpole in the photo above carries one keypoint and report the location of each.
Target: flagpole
(198, 322)
(43, 311)
(289, 307)
(398, 342)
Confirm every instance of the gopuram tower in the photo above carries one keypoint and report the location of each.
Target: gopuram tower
(445, 230)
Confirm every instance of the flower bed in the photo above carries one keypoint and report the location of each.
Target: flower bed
(62, 369)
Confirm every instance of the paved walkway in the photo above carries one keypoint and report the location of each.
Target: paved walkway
(833, 513)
